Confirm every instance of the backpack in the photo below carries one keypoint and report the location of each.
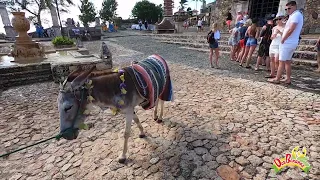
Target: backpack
(210, 38)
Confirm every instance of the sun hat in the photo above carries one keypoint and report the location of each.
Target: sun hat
(279, 15)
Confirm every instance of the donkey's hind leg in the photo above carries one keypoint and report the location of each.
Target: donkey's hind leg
(127, 131)
(161, 111)
(137, 121)
(155, 112)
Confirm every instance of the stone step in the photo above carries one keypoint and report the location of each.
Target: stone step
(301, 47)
(224, 37)
(22, 74)
(307, 55)
(25, 74)
(27, 67)
(25, 81)
(295, 61)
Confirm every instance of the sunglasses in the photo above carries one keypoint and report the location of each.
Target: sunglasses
(287, 9)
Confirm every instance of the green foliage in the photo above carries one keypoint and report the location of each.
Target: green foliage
(183, 3)
(62, 40)
(36, 7)
(108, 10)
(147, 10)
(88, 12)
(189, 11)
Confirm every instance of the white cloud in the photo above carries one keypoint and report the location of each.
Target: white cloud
(124, 10)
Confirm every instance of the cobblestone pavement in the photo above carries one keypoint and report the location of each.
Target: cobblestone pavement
(220, 126)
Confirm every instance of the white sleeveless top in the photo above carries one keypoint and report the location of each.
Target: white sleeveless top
(277, 40)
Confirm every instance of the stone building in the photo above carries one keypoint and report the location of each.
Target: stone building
(262, 8)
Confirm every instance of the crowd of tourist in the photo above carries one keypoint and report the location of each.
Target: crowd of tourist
(277, 41)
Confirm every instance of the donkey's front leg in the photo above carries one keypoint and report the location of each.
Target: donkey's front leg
(137, 121)
(155, 112)
(127, 131)
(161, 110)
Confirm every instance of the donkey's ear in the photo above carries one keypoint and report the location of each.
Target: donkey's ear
(74, 74)
(81, 79)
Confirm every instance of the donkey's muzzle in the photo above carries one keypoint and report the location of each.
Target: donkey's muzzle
(70, 134)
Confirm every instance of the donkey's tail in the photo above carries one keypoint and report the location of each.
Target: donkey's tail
(167, 93)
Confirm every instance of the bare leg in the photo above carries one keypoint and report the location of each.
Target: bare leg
(210, 56)
(231, 54)
(240, 54)
(127, 131)
(258, 63)
(252, 48)
(136, 120)
(161, 111)
(279, 73)
(272, 66)
(288, 71)
(217, 56)
(276, 62)
(268, 63)
(245, 54)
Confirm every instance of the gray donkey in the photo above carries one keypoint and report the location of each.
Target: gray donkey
(146, 83)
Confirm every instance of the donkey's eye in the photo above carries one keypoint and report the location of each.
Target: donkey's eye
(67, 109)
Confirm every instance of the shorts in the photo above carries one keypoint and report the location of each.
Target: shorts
(214, 45)
(263, 50)
(228, 22)
(199, 27)
(286, 51)
(273, 50)
(242, 44)
(252, 41)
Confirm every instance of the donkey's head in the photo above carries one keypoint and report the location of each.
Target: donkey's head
(72, 99)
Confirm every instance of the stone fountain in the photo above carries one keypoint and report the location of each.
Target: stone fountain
(25, 50)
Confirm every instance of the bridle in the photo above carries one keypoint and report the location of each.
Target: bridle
(80, 101)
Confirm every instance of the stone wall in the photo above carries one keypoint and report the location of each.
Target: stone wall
(312, 16)
(220, 10)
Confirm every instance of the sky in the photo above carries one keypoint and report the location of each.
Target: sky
(124, 11)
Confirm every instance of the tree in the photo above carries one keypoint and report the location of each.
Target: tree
(36, 7)
(88, 12)
(189, 11)
(108, 10)
(147, 10)
(183, 3)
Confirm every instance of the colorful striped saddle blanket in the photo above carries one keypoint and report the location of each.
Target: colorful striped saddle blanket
(152, 80)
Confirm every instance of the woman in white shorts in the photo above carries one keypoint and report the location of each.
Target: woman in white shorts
(274, 46)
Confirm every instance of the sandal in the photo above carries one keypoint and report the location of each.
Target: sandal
(269, 76)
(248, 67)
(256, 69)
(273, 81)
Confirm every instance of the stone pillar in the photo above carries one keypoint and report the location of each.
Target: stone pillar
(55, 21)
(6, 21)
(168, 12)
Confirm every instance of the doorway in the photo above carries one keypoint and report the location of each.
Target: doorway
(262, 8)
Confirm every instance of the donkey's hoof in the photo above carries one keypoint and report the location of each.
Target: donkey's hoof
(155, 118)
(122, 160)
(142, 136)
(159, 121)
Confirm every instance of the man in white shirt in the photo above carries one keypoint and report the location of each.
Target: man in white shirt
(199, 25)
(289, 42)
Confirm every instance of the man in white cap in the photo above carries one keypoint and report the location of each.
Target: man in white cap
(289, 42)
